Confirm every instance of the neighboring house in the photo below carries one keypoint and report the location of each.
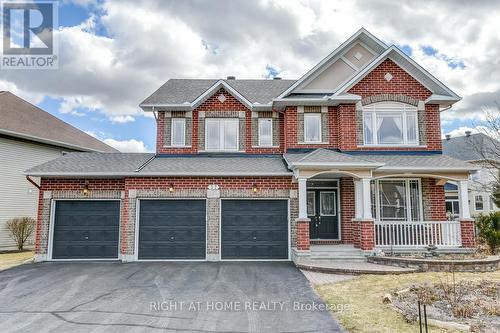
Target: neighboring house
(30, 136)
(483, 152)
(261, 169)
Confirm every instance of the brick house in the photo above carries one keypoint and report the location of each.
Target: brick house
(267, 169)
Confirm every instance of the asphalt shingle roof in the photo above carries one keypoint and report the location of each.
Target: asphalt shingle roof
(475, 147)
(140, 164)
(180, 91)
(19, 118)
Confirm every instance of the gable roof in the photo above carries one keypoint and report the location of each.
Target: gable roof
(475, 147)
(21, 119)
(186, 94)
(437, 88)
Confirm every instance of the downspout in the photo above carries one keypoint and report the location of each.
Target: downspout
(32, 182)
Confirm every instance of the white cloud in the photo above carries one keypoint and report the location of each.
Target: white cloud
(127, 146)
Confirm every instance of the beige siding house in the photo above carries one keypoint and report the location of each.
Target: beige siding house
(30, 136)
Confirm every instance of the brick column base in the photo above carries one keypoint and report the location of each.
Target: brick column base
(365, 234)
(302, 239)
(467, 233)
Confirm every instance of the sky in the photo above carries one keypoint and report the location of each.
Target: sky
(113, 54)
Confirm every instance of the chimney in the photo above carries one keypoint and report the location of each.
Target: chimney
(468, 133)
(276, 78)
(231, 77)
(448, 136)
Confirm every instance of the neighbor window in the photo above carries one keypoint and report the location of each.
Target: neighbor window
(397, 200)
(222, 134)
(390, 123)
(478, 202)
(178, 132)
(265, 132)
(312, 127)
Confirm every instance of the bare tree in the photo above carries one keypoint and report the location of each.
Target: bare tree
(20, 229)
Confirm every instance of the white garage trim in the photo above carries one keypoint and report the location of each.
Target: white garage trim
(136, 229)
(246, 199)
(50, 242)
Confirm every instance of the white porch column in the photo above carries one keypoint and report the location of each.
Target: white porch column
(358, 199)
(366, 198)
(302, 198)
(463, 195)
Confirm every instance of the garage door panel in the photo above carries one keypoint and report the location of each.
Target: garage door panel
(172, 229)
(86, 229)
(254, 229)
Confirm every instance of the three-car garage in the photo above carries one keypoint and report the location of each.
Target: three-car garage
(172, 229)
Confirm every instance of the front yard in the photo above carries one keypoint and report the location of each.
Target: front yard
(11, 259)
(360, 306)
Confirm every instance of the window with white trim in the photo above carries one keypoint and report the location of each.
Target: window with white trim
(479, 202)
(178, 133)
(265, 132)
(312, 127)
(221, 134)
(390, 123)
(397, 200)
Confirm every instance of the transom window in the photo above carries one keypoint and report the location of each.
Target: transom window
(390, 123)
(265, 132)
(397, 200)
(221, 134)
(312, 127)
(178, 132)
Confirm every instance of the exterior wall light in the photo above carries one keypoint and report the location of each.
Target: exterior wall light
(86, 189)
(254, 188)
(171, 187)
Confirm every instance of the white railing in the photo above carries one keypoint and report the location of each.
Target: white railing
(417, 234)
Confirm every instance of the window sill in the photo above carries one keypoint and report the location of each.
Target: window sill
(313, 143)
(269, 147)
(177, 146)
(222, 151)
(392, 146)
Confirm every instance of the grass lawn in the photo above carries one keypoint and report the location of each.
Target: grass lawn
(11, 259)
(363, 294)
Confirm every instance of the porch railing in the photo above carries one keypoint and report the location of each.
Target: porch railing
(417, 234)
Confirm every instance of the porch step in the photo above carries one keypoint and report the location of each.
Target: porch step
(342, 252)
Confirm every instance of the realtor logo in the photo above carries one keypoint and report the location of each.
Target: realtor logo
(28, 35)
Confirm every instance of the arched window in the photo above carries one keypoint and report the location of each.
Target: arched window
(389, 124)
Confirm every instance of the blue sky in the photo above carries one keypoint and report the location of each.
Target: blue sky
(114, 53)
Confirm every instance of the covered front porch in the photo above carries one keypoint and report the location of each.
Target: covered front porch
(372, 203)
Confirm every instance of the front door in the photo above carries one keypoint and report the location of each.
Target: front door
(323, 211)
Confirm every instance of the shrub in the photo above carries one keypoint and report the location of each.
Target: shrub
(20, 229)
(488, 226)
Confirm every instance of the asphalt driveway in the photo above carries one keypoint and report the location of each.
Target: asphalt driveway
(172, 296)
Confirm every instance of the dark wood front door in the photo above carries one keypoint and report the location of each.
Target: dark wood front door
(322, 209)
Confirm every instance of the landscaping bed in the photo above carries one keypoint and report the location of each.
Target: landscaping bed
(10, 259)
(468, 305)
(359, 302)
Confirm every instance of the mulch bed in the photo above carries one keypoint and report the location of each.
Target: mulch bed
(473, 303)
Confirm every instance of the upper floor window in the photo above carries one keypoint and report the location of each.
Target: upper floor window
(178, 132)
(221, 134)
(265, 132)
(312, 127)
(478, 202)
(390, 123)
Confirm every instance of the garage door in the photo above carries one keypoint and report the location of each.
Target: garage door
(254, 229)
(86, 230)
(172, 229)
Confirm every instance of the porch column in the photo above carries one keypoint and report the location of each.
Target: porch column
(466, 222)
(366, 226)
(302, 223)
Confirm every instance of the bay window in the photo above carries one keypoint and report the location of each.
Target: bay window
(221, 134)
(312, 127)
(397, 200)
(265, 132)
(390, 123)
(178, 137)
